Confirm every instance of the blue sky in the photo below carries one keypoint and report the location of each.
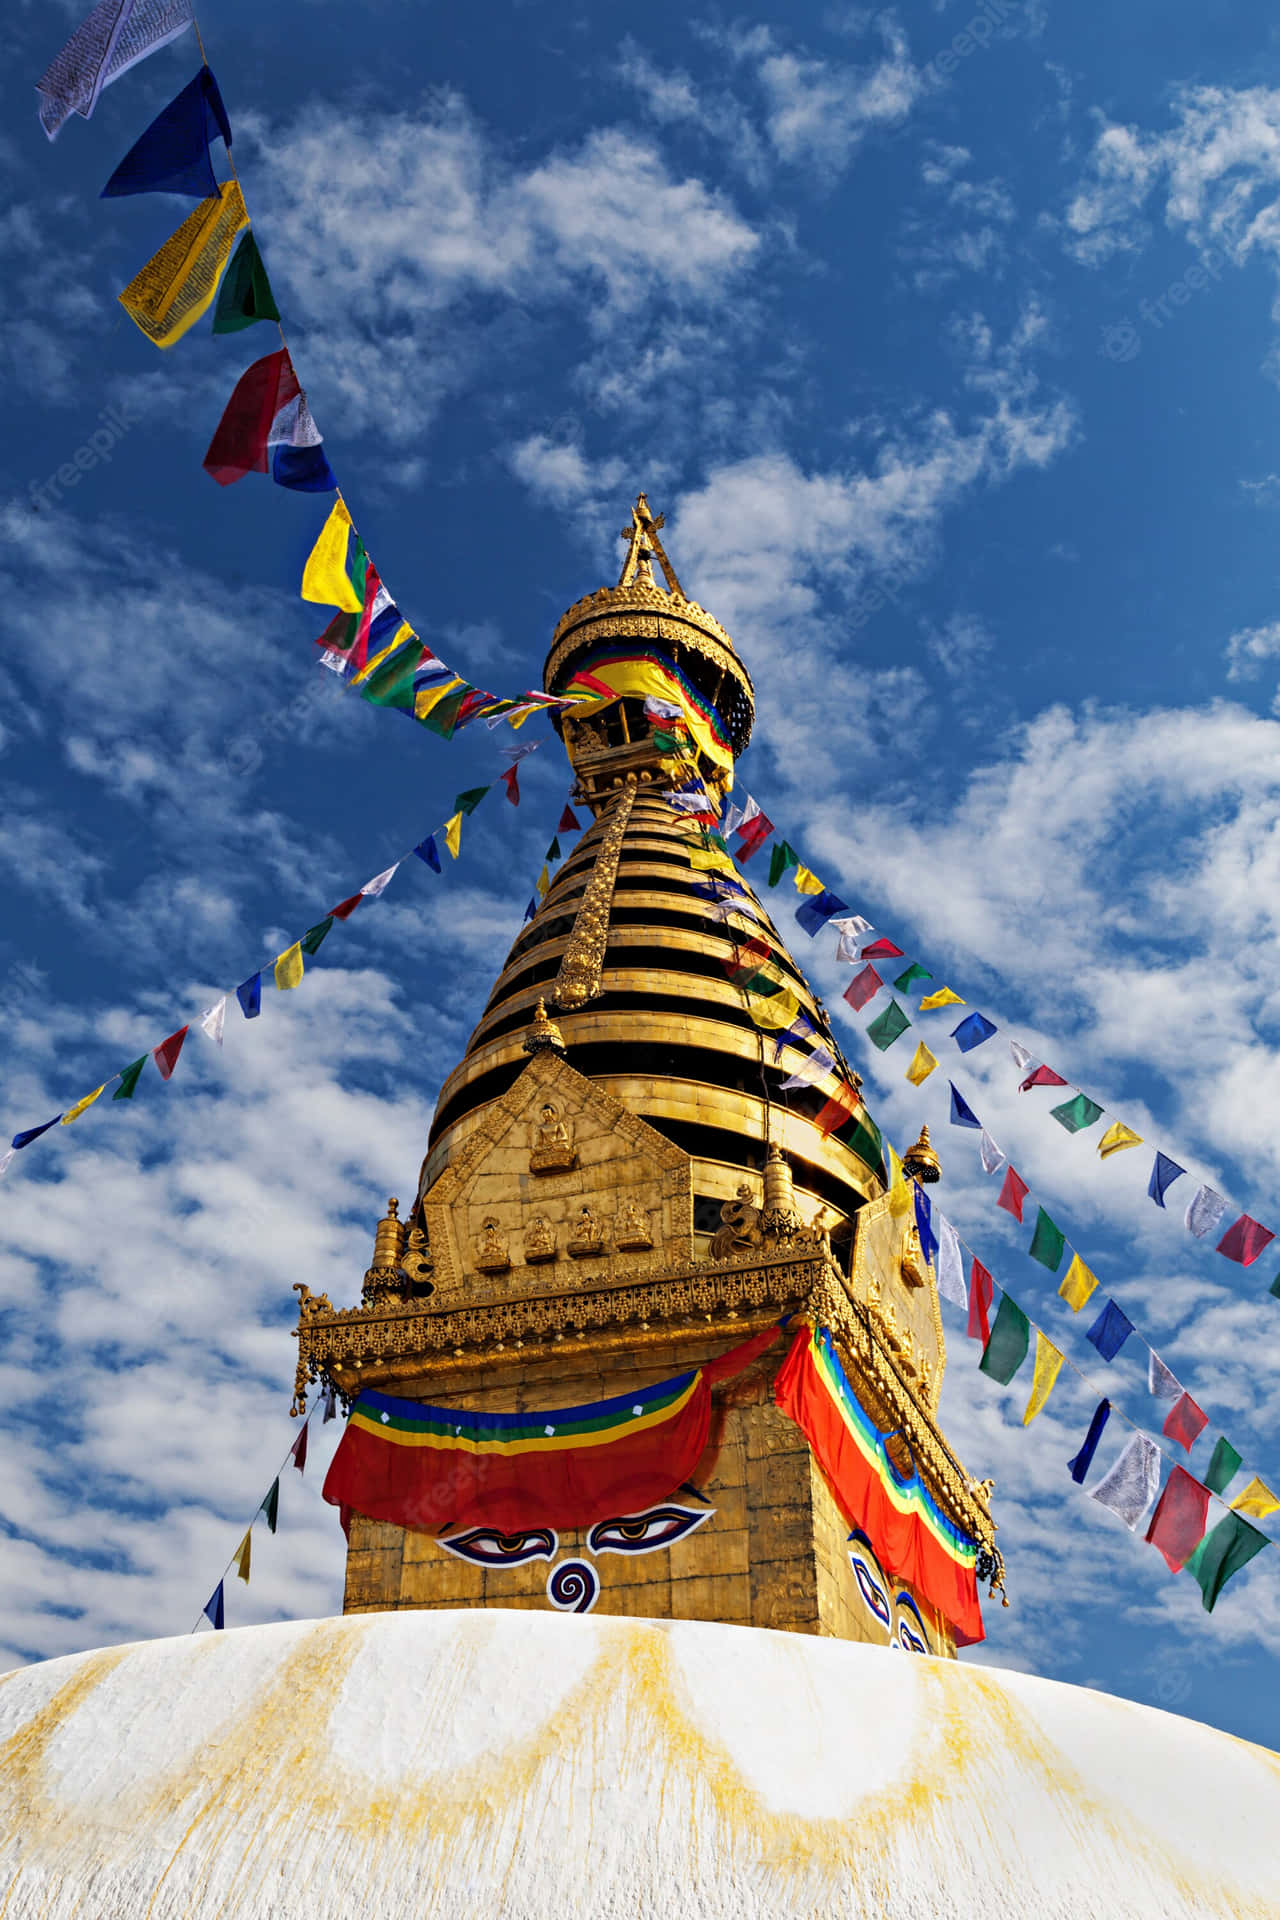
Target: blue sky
(949, 351)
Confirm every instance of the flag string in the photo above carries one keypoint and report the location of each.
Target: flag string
(213, 1610)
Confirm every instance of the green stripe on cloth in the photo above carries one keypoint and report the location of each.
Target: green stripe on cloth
(1048, 1242)
(888, 1026)
(1222, 1553)
(1006, 1347)
(1075, 1115)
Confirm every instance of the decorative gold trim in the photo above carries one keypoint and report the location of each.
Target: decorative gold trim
(583, 964)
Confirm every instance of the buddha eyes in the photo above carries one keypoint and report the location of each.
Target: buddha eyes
(873, 1594)
(646, 1532)
(486, 1547)
(912, 1637)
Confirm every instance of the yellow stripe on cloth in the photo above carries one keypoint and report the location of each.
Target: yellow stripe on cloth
(711, 860)
(536, 1443)
(324, 578)
(942, 998)
(177, 284)
(289, 967)
(644, 680)
(453, 835)
(1078, 1284)
(1257, 1499)
(774, 1012)
(1116, 1138)
(542, 884)
(243, 1556)
(922, 1065)
(1048, 1367)
(82, 1106)
(900, 1200)
(807, 882)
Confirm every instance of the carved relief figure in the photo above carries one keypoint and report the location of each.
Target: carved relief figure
(739, 1226)
(915, 1270)
(492, 1255)
(631, 1228)
(585, 1235)
(539, 1240)
(552, 1146)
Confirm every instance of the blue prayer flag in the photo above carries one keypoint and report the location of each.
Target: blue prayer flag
(306, 470)
(1083, 1460)
(800, 1030)
(924, 1223)
(215, 1609)
(1164, 1172)
(33, 1133)
(1110, 1330)
(813, 913)
(428, 851)
(172, 156)
(531, 909)
(972, 1031)
(249, 994)
(962, 1114)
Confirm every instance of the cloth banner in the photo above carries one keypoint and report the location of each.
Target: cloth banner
(1007, 1344)
(972, 1032)
(913, 1539)
(864, 986)
(1048, 1366)
(1013, 1193)
(636, 673)
(1185, 1421)
(992, 1157)
(1078, 1284)
(239, 444)
(949, 1266)
(981, 1293)
(1205, 1213)
(1222, 1553)
(922, 1064)
(888, 1027)
(1128, 1488)
(1048, 1242)
(1110, 1330)
(1245, 1240)
(1177, 1525)
(814, 914)
(425, 1467)
(172, 156)
(1116, 1138)
(116, 35)
(962, 1114)
(178, 283)
(1075, 1115)
(1164, 1172)
(245, 295)
(1256, 1499)
(942, 998)
(1223, 1467)
(1080, 1463)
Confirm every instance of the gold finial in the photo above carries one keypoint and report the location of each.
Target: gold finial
(544, 1034)
(921, 1162)
(643, 547)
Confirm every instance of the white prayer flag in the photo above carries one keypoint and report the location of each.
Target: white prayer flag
(810, 1071)
(852, 928)
(733, 818)
(114, 37)
(1130, 1486)
(5, 1158)
(1021, 1058)
(992, 1157)
(1205, 1212)
(949, 1265)
(1161, 1384)
(380, 882)
(214, 1019)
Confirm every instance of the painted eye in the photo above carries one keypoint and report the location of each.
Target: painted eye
(912, 1637)
(486, 1547)
(646, 1532)
(873, 1594)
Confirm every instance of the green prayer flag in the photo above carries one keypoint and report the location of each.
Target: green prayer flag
(1222, 1467)
(1007, 1343)
(245, 294)
(1047, 1242)
(713, 842)
(271, 1505)
(468, 802)
(129, 1080)
(1275, 1287)
(665, 742)
(885, 1030)
(553, 851)
(391, 684)
(1075, 1115)
(913, 973)
(780, 858)
(311, 939)
(1222, 1553)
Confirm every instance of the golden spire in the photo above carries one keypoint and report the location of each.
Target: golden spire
(921, 1162)
(544, 1033)
(643, 547)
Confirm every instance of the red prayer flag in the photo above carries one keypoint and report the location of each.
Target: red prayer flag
(840, 1107)
(864, 986)
(753, 835)
(299, 1450)
(981, 1291)
(1177, 1525)
(166, 1054)
(512, 786)
(569, 822)
(1013, 1193)
(239, 444)
(345, 908)
(1043, 1077)
(882, 950)
(1245, 1240)
(1186, 1421)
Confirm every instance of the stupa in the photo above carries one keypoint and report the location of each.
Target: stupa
(658, 1558)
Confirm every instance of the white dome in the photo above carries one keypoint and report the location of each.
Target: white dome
(484, 1763)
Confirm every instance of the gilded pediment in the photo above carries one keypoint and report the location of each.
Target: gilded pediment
(897, 1286)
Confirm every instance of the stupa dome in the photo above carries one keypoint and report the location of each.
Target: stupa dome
(527, 1766)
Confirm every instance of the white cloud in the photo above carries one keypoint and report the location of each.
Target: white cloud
(1247, 649)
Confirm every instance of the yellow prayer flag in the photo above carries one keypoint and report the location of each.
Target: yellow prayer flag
(542, 883)
(942, 998)
(177, 284)
(453, 835)
(427, 699)
(774, 1012)
(1116, 1138)
(900, 1200)
(324, 578)
(807, 882)
(73, 1113)
(242, 1558)
(1256, 1499)
(1077, 1284)
(1048, 1367)
(289, 967)
(710, 860)
(404, 632)
(922, 1065)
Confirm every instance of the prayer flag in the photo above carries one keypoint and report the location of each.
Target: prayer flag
(942, 998)
(249, 994)
(1223, 1467)
(335, 571)
(899, 1192)
(82, 1106)
(842, 1105)
(851, 930)
(1080, 1462)
(780, 859)
(240, 443)
(1020, 1055)
(1256, 1499)
(1185, 1421)
(468, 802)
(345, 908)
(1007, 1343)
(428, 851)
(813, 915)
(1048, 1367)
(1075, 1115)
(1177, 1525)
(271, 1505)
(1013, 1193)
(313, 938)
(807, 882)
(531, 909)
(511, 781)
(1043, 1077)
(1128, 1488)
(949, 1267)
(981, 1293)
(298, 1451)
(114, 37)
(568, 822)
(214, 1019)
(972, 1032)
(24, 1139)
(962, 1114)
(908, 977)
(172, 156)
(168, 295)
(752, 836)
(1205, 1213)
(542, 885)
(882, 950)
(1078, 1284)
(922, 1064)
(924, 1222)
(245, 294)
(215, 1608)
(289, 967)
(129, 1078)
(772, 1010)
(1110, 1330)
(890, 1025)
(1162, 1384)
(819, 1063)
(1164, 1172)
(992, 1157)
(1222, 1553)
(453, 835)
(166, 1054)
(864, 986)
(1116, 1138)
(330, 1405)
(243, 1556)
(1245, 1240)
(801, 1029)
(1048, 1243)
